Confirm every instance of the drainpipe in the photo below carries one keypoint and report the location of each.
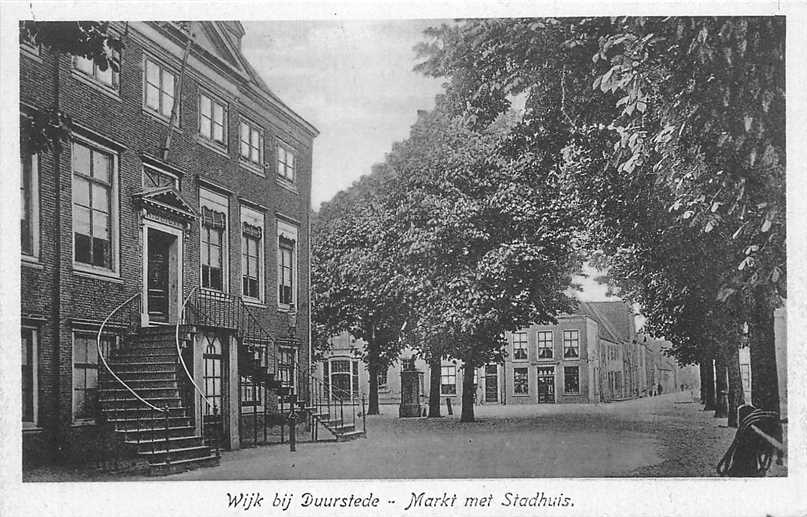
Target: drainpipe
(57, 292)
(177, 95)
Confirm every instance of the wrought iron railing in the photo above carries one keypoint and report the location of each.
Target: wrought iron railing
(126, 308)
(298, 387)
(126, 325)
(222, 310)
(329, 403)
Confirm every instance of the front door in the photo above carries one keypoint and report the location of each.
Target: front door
(157, 276)
(546, 384)
(491, 383)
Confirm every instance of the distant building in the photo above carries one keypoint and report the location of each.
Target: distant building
(587, 357)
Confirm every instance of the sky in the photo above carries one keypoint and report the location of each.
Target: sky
(354, 81)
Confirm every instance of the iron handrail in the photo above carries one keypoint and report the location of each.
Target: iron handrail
(313, 377)
(106, 365)
(179, 350)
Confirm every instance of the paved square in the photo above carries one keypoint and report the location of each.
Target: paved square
(659, 436)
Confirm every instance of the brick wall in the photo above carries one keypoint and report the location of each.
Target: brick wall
(122, 119)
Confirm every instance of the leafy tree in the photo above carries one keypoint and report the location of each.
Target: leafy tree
(485, 235)
(687, 112)
(47, 129)
(355, 287)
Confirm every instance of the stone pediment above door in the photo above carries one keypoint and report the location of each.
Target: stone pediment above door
(165, 205)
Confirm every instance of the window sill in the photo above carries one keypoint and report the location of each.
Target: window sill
(109, 92)
(285, 308)
(31, 427)
(32, 262)
(97, 275)
(213, 292)
(30, 53)
(286, 184)
(254, 168)
(253, 302)
(213, 146)
(83, 423)
(521, 395)
(161, 119)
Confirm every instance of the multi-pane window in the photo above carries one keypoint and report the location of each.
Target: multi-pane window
(344, 379)
(160, 89)
(544, 344)
(213, 378)
(251, 394)
(110, 78)
(286, 265)
(521, 383)
(29, 202)
(571, 344)
(286, 277)
(250, 139)
(93, 177)
(285, 162)
(251, 253)
(382, 378)
(28, 374)
(85, 372)
(571, 379)
(213, 239)
(286, 366)
(212, 119)
(519, 346)
(448, 380)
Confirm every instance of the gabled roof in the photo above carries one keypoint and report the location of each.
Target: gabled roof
(211, 39)
(619, 315)
(606, 330)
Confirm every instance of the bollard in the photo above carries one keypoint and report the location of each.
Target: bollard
(292, 431)
(363, 415)
(448, 406)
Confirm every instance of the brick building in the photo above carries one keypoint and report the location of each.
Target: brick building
(191, 219)
(587, 357)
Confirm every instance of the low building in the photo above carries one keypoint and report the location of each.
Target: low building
(588, 357)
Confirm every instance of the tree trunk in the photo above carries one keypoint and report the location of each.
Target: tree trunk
(372, 370)
(736, 399)
(709, 385)
(434, 386)
(764, 378)
(702, 373)
(721, 410)
(467, 393)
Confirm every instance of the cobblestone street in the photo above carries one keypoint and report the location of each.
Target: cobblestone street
(660, 436)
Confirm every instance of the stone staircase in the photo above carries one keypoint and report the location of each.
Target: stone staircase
(167, 439)
(339, 428)
(338, 417)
